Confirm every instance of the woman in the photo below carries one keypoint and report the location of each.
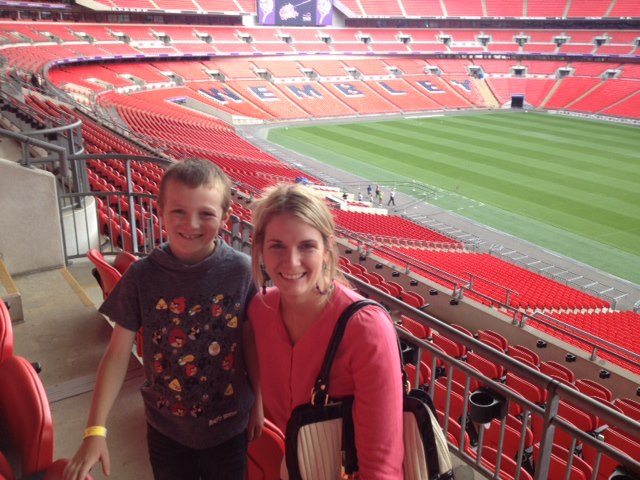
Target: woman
(294, 247)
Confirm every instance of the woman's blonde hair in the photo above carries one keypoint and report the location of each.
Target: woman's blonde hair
(304, 204)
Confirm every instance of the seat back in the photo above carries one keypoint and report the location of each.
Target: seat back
(123, 260)
(594, 389)
(266, 453)
(551, 368)
(25, 417)
(6, 333)
(524, 351)
(109, 276)
(416, 328)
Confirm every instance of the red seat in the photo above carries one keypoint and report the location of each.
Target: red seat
(508, 466)
(452, 348)
(580, 470)
(490, 334)
(424, 376)
(123, 260)
(524, 351)
(25, 417)
(454, 431)
(460, 328)
(617, 439)
(580, 419)
(526, 389)
(549, 367)
(6, 333)
(265, 454)
(414, 299)
(416, 328)
(26, 424)
(512, 438)
(108, 274)
(440, 395)
(629, 407)
(488, 369)
(594, 389)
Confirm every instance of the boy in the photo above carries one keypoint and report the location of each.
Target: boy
(189, 297)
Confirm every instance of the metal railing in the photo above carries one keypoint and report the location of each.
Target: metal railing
(544, 417)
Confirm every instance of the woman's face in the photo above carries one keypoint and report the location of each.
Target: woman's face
(293, 255)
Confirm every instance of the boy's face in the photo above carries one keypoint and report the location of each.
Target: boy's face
(192, 218)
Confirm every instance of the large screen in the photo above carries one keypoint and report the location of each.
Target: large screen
(297, 13)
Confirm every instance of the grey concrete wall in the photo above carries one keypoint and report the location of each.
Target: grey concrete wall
(30, 232)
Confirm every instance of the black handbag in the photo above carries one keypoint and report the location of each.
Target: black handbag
(320, 437)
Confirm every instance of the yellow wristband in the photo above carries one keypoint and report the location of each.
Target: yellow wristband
(96, 431)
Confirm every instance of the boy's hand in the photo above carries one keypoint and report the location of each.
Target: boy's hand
(92, 450)
(256, 421)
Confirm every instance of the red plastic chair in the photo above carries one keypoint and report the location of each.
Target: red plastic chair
(549, 367)
(266, 453)
(508, 466)
(6, 333)
(594, 389)
(107, 273)
(25, 417)
(629, 407)
(524, 351)
(416, 328)
(500, 339)
(453, 349)
(558, 464)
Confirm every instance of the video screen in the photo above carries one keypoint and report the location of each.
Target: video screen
(295, 13)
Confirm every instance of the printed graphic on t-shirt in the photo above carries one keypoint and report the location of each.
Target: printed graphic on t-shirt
(193, 344)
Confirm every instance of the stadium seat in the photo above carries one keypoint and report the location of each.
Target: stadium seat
(26, 424)
(6, 332)
(549, 367)
(265, 454)
(107, 274)
(594, 389)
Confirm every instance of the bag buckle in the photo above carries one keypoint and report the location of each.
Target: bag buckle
(320, 396)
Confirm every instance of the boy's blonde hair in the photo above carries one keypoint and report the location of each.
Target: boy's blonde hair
(302, 203)
(196, 172)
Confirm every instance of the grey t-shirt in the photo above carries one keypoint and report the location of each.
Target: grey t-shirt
(196, 390)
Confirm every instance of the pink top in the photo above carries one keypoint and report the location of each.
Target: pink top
(366, 366)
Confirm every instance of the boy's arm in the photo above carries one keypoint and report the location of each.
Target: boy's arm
(256, 419)
(111, 374)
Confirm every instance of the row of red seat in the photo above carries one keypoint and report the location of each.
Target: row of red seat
(450, 394)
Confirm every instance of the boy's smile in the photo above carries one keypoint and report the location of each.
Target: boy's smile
(192, 217)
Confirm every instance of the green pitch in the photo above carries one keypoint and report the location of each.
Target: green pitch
(570, 185)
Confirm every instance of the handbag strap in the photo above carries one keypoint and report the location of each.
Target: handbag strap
(320, 393)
